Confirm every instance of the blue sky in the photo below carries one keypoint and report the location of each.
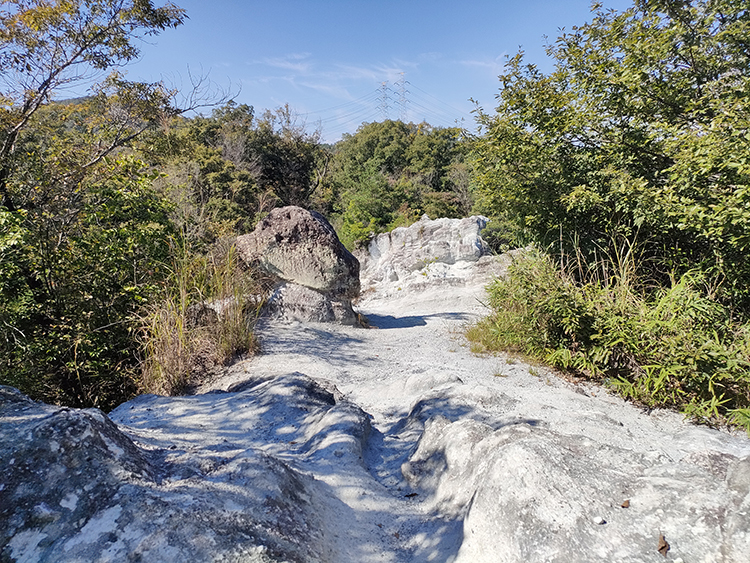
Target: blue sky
(328, 59)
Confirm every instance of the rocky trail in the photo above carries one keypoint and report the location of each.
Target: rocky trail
(411, 495)
(389, 444)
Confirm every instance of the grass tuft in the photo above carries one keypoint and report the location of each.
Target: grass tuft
(205, 320)
(674, 347)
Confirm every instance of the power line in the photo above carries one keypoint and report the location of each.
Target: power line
(412, 103)
(360, 109)
(350, 103)
(448, 106)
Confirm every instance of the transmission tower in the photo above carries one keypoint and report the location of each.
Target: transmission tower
(402, 102)
(384, 100)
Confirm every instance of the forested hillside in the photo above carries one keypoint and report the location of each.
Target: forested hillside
(626, 168)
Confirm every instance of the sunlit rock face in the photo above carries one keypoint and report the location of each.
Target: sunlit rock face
(531, 494)
(426, 254)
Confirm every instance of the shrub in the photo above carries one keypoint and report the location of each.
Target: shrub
(71, 283)
(676, 347)
(640, 131)
(204, 320)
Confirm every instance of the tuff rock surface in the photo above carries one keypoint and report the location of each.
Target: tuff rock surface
(545, 496)
(299, 303)
(202, 478)
(300, 248)
(394, 445)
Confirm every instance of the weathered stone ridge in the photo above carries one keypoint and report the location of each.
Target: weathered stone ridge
(428, 253)
(163, 486)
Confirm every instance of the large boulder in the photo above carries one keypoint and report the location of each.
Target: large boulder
(301, 247)
(316, 276)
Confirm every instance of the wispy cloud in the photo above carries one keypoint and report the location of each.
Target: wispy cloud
(494, 66)
(295, 66)
(336, 96)
(334, 90)
(372, 73)
(296, 62)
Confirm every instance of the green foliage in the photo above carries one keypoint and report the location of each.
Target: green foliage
(47, 45)
(639, 133)
(537, 309)
(81, 237)
(226, 171)
(69, 291)
(388, 174)
(286, 160)
(675, 348)
(203, 320)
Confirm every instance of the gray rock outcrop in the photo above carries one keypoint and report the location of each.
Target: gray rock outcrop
(531, 490)
(300, 248)
(268, 473)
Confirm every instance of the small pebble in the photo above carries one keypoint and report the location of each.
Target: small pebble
(599, 520)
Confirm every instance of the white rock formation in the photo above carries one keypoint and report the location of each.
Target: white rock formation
(201, 478)
(427, 253)
(533, 494)
(397, 445)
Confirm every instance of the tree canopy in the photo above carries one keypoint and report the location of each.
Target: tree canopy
(83, 232)
(389, 173)
(47, 45)
(640, 134)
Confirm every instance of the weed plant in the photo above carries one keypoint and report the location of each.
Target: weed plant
(673, 347)
(204, 320)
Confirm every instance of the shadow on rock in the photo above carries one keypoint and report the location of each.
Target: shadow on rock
(389, 321)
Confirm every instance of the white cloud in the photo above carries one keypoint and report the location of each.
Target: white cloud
(296, 62)
(494, 66)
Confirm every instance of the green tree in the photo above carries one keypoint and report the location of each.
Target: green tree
(389, 173)
(639, 134)
(48, 45)
(226, 170)
(82, 232)
(67, 337)
(213, 196)
(285, 159)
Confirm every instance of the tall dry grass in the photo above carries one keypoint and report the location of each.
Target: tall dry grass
(204, 320)
(673, 346)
